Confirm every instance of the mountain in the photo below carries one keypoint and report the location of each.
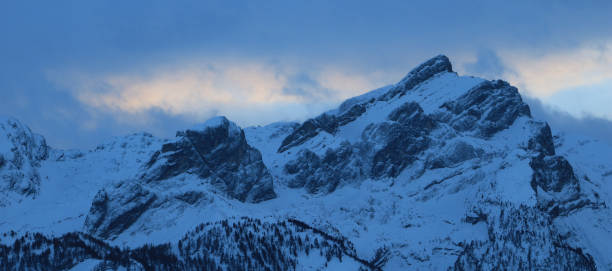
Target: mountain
(436, 172)
(216, 152)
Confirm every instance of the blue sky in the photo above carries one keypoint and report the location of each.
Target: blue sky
(80, 72)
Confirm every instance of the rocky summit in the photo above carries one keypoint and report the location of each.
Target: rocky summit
(436, 172)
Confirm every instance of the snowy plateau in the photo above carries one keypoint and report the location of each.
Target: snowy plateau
(436, 172)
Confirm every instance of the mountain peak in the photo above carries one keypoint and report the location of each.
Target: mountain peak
(211, 123)
(215, 123)
(351, 109)
(427, 69)
(420, 74)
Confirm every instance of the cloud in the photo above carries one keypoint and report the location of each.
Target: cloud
(247, 91)
(585, 100)
(487, 64)
(543, 75)
(560, 121)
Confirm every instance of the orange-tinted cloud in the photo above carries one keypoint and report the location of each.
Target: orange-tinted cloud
(544, 75)
(249, 91)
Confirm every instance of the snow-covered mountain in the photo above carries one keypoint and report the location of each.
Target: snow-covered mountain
(436, 172)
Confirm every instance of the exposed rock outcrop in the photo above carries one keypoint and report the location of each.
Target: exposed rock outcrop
(418, 75)
(218, 152)
(323, 174)
(486, 109)
(402, 139)
(385, 150)
(21, 152)
(112, 213)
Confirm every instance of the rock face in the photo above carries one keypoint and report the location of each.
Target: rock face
(543, 140)
(216, 153)
(324, 174)
(554, 174)
(21, 152)
(554, 180)
(385, 150)
(111, 214)
(324, 123)
(486, 109)
(404, 138)
(418, 75)
(556, 185)
(455, 154)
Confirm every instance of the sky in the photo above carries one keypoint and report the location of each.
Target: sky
(81, 72)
